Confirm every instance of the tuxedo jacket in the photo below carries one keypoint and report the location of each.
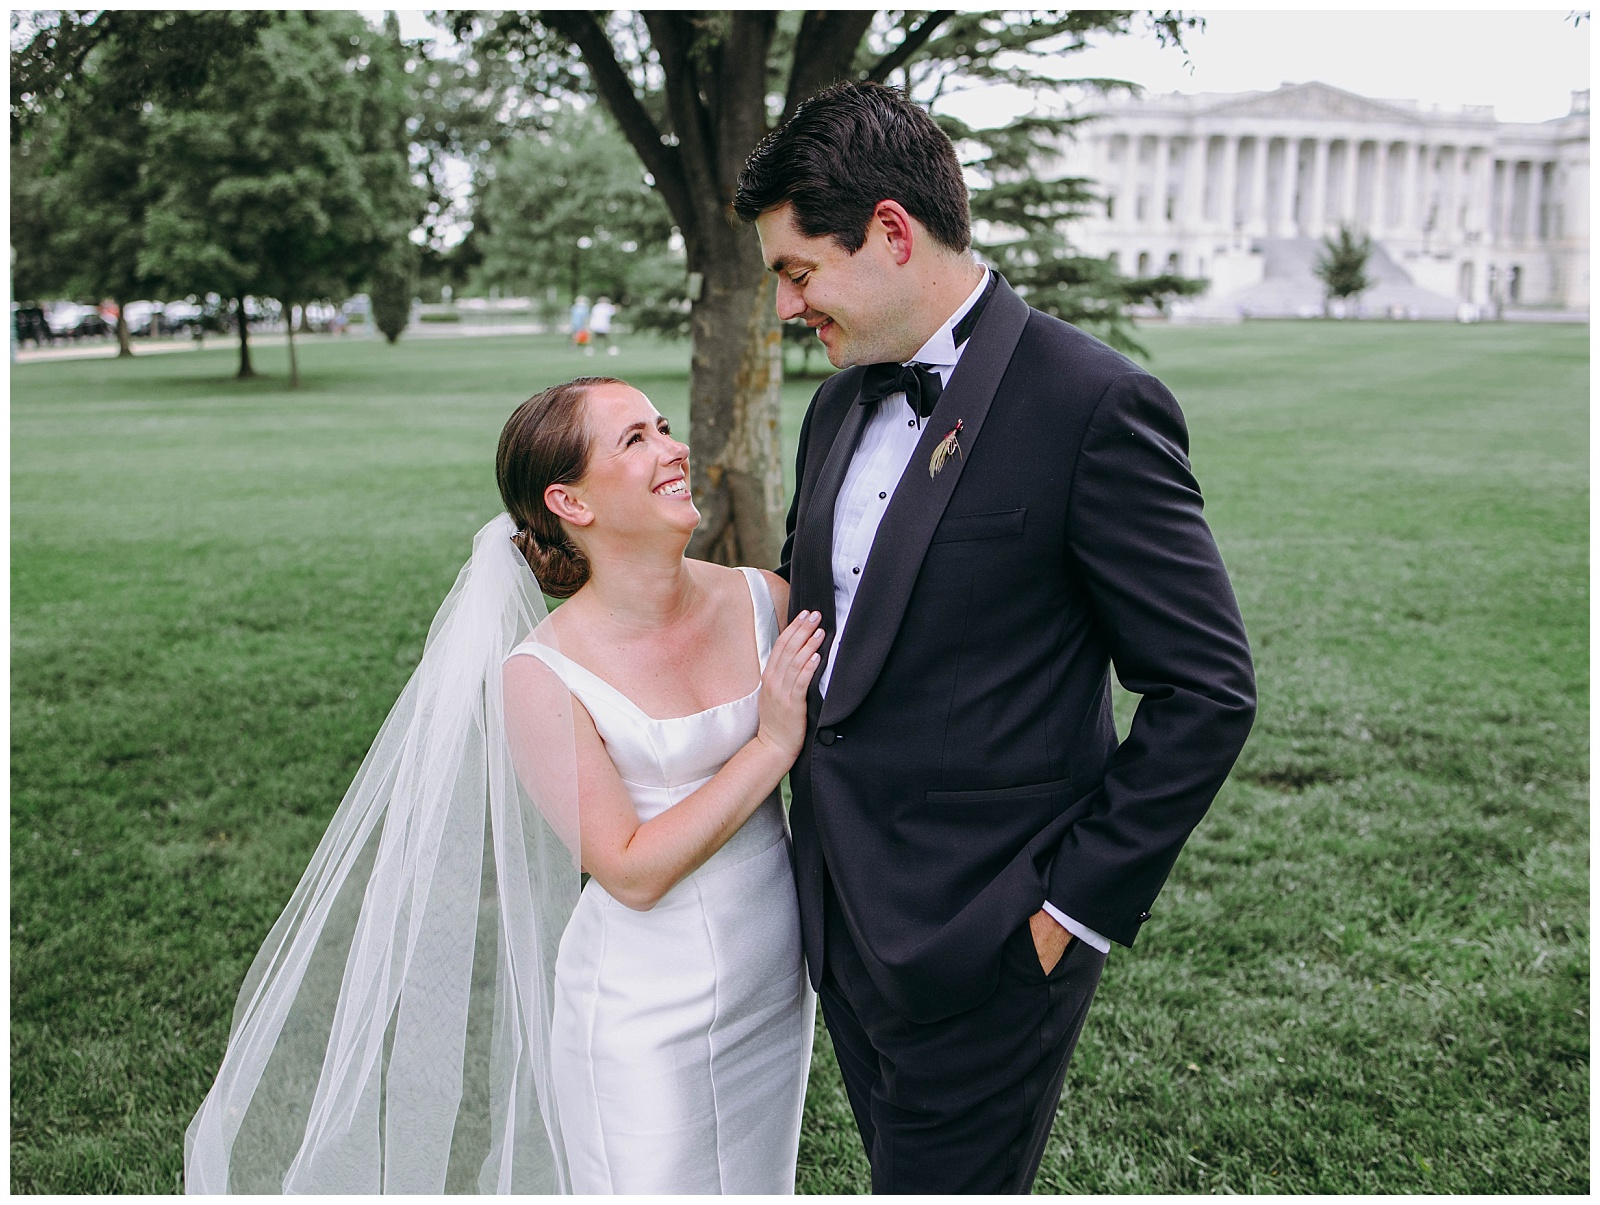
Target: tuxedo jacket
(963, 767)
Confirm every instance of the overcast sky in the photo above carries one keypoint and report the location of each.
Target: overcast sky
(1526, 63)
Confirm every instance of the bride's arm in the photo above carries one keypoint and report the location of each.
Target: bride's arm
(639, 863)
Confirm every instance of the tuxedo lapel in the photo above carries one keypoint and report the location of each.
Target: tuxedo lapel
(811, 575)
(918, 504)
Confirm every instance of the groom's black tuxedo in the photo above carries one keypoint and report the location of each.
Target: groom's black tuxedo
(963, 767)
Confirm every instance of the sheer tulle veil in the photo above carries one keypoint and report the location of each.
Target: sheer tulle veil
(392, 1034)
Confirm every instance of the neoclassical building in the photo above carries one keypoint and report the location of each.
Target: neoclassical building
(1241, 188)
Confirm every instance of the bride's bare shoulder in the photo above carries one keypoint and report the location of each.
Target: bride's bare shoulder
(780, 594)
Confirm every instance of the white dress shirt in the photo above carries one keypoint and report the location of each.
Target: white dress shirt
(889, 437)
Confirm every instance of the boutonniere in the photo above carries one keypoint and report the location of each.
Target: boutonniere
(949, 446)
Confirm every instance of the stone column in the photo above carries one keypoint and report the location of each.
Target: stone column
(1315, 220)
(1288, 183)
(1500, 219)
(1535, 199)
(1227, 205)
(1482, 188)
(1256, 219)
(1127, 198)
(1421, 185)
(1450, 195)
(1192, 194)
(1347, 186)
(1380, 188)
(1159, 186)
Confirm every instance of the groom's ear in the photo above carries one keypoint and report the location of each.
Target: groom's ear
(567, 506)
(891, 223)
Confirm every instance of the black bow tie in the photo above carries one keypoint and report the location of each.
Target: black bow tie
(920, 384)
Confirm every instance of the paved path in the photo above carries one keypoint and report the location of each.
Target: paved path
(107, 348)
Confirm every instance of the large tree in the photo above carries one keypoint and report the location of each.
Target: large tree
(287, 176)
(694, 92)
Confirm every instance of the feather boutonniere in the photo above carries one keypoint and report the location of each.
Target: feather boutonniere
(949, 446)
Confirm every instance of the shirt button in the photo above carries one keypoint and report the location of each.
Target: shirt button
(882, 494)
(911, 422)
(857, 569)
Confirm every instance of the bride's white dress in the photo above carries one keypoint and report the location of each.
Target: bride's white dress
(682, 1035)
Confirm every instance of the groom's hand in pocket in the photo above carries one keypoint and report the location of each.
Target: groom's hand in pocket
(1050, 939)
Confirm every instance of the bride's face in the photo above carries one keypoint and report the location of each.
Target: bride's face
(637, 480)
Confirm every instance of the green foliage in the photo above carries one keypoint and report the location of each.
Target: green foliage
(287, 177)
(184, 153)
(1342, 265)
(568, 206)
(80, 138)
(1390, 896)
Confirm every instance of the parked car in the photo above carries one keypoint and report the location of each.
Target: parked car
(68, 320)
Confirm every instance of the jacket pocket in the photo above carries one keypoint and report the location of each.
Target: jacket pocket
(1059, 786)
(986, 526)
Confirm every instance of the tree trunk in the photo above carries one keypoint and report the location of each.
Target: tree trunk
(294, 361)
(124, 340)
(735, 383)
(245, 370)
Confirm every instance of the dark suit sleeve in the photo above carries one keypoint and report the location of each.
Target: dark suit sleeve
(1158, 590)
(787, 556)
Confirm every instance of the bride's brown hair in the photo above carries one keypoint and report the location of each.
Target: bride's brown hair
(546, 442)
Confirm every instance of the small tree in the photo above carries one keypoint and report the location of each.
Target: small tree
(1342, 266)
(394, 282)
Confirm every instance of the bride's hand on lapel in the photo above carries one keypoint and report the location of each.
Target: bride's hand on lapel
(790, 666)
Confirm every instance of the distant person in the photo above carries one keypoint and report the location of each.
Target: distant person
(578, 317)
(600, 326)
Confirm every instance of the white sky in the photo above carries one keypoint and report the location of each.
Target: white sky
(1526, 62)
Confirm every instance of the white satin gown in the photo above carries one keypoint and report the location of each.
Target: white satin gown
(682, 1035)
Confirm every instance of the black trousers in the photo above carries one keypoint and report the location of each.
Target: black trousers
(963, 1105)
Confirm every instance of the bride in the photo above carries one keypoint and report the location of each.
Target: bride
(440, 1008)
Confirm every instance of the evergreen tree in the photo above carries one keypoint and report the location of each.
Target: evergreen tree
(1342, 266)
(393, 284)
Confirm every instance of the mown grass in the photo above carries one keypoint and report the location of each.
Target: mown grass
(1369, 971)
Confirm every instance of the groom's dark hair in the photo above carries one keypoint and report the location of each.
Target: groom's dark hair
(844, 150)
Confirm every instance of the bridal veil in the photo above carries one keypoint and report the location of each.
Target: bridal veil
(392, 1035)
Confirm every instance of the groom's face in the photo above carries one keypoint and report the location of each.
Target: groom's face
(851, 301)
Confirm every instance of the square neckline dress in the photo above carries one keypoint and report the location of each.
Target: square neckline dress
(681, 1036)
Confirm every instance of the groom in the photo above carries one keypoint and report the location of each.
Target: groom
(991, 508)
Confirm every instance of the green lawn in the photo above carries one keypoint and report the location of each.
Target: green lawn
(1368, 973)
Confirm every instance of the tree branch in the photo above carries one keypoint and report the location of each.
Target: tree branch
(914, 41)
(664, 163)
(743, 119)
(824, 52)
(672, 35)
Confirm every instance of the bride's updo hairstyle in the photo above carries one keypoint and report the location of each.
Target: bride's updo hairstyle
(544, 443)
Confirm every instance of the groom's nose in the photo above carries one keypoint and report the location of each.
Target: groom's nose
(791, 304)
